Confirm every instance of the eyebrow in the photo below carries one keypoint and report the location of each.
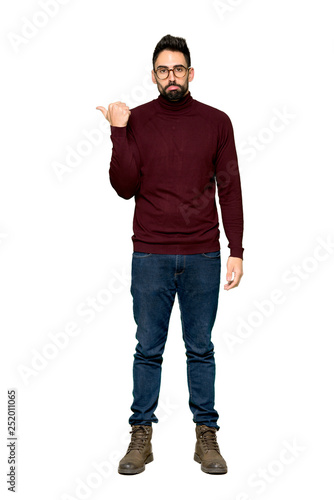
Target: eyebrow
(175, 65)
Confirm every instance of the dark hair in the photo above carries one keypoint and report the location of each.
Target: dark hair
(173, 43)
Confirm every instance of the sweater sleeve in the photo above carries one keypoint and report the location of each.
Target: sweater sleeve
(229, 189)
(124, 172)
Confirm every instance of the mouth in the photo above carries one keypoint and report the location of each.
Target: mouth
(173, 87)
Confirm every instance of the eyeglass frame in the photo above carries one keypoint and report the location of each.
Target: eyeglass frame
(171, 69)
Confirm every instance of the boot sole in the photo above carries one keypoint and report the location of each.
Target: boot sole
(131, 472)
(208, 470)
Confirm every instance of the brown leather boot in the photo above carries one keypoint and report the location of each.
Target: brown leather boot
(139, 451)
(207, 451)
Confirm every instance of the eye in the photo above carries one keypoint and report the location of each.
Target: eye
(162, 70)
(179, 69)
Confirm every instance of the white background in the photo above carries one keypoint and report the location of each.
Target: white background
(66, 238)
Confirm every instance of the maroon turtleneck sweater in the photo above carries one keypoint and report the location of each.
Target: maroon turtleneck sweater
(170, 157)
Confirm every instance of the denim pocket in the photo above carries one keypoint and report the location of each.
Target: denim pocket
(212, 255)
(140, 255)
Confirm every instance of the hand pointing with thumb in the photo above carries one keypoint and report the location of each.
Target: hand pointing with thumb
(117, 114)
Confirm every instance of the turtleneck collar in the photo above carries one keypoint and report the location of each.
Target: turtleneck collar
(172, 106)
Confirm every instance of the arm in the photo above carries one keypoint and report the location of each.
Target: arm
(230, 200)
(124, 171)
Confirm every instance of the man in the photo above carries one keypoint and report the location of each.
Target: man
(169, 154)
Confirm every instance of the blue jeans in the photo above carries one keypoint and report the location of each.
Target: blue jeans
(155, 279)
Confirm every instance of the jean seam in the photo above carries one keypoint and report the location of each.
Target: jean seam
(188, 367)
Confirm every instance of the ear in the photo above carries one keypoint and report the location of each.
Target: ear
(153, 77)
(191, 75)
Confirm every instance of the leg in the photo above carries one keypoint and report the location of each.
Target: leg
(153, 293)
(198, 291)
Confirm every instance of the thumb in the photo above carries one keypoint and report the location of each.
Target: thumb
(103, 110)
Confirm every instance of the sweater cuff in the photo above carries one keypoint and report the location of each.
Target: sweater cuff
(237, 252)
(118, 131)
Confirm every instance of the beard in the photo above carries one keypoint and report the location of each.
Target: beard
(173, 95)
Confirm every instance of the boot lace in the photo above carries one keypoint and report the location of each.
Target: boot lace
(138, 438)
(209, 439)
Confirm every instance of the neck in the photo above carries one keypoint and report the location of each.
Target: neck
(182, 103)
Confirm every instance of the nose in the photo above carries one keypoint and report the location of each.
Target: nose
(171, 76)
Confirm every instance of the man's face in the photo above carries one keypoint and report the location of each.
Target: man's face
(173, 87)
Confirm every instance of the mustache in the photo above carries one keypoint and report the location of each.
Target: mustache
(173, 84)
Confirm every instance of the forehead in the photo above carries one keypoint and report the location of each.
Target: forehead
(170, 58)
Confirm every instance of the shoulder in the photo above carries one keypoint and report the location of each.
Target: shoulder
(212, 113)
(141, 114)
(143, 109)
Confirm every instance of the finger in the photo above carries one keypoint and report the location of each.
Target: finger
(228, 285)
(233, 283)
(102, 109)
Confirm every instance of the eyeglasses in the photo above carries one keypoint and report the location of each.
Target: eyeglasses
(163, 72)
